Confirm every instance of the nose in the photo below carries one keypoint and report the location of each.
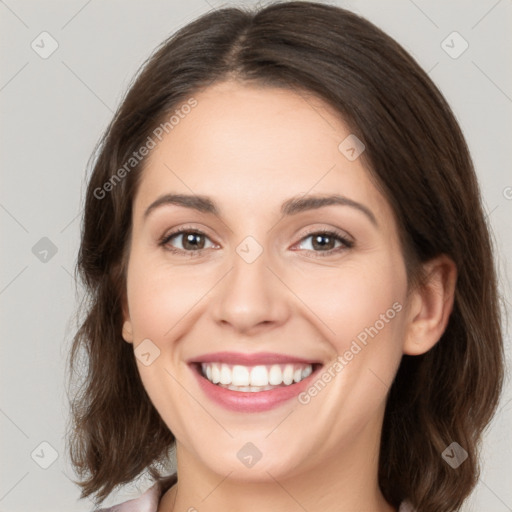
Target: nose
(251, 297)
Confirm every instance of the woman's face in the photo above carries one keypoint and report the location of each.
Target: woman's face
(257, 292)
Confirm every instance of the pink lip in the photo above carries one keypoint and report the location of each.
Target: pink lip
(249, 359)
(240, 401)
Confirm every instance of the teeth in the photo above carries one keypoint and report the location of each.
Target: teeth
(225, 374)
(288, 374)
(306, 372)
(240, 376)
(255, 378)
(275, 375)
(215, 373)
(259, 376)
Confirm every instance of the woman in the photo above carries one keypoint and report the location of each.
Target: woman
(290, 276)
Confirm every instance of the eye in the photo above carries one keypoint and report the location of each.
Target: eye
(325, 242)
(191, 241)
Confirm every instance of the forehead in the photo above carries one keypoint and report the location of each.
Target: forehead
(253, 147)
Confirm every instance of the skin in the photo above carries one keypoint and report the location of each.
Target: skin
(250, 149)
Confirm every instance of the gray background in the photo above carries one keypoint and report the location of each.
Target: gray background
(54, 110)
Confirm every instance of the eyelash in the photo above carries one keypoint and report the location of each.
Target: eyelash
(347, 244)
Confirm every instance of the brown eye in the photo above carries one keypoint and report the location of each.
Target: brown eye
(325, 242)
(190, 241)
(322, 241)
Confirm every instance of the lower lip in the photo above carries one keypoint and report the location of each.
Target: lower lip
(257, 401)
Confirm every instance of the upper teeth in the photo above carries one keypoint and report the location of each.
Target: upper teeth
(261, 375)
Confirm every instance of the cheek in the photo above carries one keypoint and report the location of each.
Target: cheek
(159, 300)
(361, 312)
(160, 297)
(355, 299)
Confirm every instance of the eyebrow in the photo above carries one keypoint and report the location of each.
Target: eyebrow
(292, 206)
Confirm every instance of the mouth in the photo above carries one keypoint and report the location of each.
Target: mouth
(254, 379)
(252, 382)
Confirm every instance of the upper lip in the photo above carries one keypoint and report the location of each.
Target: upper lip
(249, 359)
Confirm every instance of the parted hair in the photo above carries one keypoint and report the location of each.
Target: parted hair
(415, 153)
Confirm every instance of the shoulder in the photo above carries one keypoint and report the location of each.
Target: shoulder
(147, 502)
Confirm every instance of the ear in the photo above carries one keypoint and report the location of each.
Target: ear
(127, 331)
(127, 324)
(430, 306)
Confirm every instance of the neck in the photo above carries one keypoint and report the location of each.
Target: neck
(347, 481)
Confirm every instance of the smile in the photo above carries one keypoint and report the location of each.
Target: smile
(252, 382)
(255, 378)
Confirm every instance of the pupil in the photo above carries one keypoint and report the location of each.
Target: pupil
(317, 239)
(189, 239)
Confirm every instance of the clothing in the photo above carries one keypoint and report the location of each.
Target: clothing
(148, 502)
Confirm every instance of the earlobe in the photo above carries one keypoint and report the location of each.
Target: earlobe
(127, 331)
(430, 307)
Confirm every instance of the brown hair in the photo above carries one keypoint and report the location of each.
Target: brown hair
(416, 155)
